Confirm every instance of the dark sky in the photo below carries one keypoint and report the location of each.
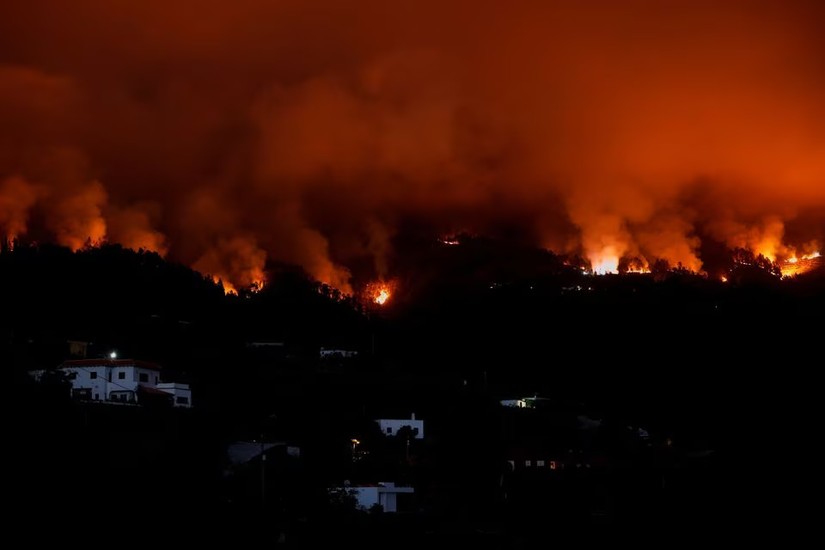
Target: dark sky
(226, 133)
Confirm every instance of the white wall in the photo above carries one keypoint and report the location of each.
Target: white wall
(83, 379)
(390, 426)
(127, 383)
(366, 496)
(388, 501)
(102, 387)
(152, 377)
(178, 391)
(385, 494)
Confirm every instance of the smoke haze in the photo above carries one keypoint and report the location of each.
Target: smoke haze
(225, 134)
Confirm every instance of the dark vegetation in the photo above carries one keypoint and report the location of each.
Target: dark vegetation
(703, 365)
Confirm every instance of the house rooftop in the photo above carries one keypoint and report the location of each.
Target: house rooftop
(103, 362)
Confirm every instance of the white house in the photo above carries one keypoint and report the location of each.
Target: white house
(384, 494)
(534, 402)
(390, 426)
(120, 380)
(338, 353)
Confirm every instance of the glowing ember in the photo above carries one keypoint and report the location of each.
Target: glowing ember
(382, 296)
(379, 292)
(724, 279)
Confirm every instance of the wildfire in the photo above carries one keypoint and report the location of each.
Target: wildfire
(606, 262)
(380, 292)
(637, 266)
(449, 241)
(797, 265)
(230, 290)
(382, 296)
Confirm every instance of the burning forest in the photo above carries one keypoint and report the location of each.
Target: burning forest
(625, 134)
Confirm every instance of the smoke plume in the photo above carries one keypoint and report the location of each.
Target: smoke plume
(227, 135)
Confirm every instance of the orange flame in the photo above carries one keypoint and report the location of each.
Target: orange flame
(380, 292)
(382, 297)
(797, 265)
(637, 266)
(607, 261)
(230, 290)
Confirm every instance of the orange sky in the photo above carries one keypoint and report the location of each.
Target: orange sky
(229, 133)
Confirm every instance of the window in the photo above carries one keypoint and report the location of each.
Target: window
(93, 375)
(540, 463)
(156, 379)
(181, 400)
(97, 396)
(121, 375)
(389, 429)
(528, 463)
(143, 377)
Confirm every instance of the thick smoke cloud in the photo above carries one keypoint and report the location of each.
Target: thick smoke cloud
(229, 134)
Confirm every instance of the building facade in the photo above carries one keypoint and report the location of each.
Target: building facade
(384, 494)
(121, 381)
(391, 426)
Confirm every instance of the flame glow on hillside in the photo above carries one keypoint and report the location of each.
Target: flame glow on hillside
(607, 261)
(380, 292)
(637, 266)
(802, 264)
(602, 129)
(228, 289)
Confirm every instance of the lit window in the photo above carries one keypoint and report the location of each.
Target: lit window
(552, 464)
(540, 463)
(528, 463)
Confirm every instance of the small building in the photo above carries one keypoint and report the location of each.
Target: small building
(181, 393)
(338, 353)
(78, 348)
(121, 381)
(384, 494)
(534, 402)
(391, 426)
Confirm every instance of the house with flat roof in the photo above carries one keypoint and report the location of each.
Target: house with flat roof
(121, 381)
